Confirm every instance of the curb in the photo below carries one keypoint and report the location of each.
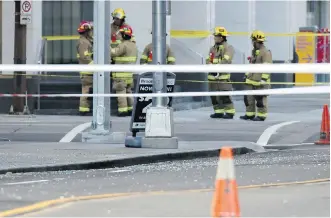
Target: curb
(125, 162)
(287, 147)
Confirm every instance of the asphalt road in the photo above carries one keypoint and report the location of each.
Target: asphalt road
(283, 201)
(18, 190)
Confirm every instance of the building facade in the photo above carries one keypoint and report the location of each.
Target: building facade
(60, 18)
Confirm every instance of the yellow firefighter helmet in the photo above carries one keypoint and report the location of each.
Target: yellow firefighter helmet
(258, 35)
(118, 13)
(220, 31)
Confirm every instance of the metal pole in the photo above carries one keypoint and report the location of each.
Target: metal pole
(159, 49)
(168, 20)
(20, 85)
(159, 131)
(251, 23)
(101, 55)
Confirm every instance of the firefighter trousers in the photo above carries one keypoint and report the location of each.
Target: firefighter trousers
(256, 101)
(122, 86)
(87, 83)
(221, 104)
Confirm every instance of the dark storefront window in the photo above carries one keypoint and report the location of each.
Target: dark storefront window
(61, 18)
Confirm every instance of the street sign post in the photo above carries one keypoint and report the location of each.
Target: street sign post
(141, 104)
(159, 131)
(100, 131)
(26, 12)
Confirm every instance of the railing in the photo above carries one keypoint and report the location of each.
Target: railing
(190, 50)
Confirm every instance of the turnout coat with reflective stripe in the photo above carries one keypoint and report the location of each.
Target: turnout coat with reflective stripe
(84, 52)
(124, 53)
(221, 54)
(261, 56)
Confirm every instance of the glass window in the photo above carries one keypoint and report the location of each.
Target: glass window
(61, 18)
(311, 6)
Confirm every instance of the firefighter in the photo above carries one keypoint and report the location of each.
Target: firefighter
(147, 57)
(85, 56)
(125, 53)
(256, 81)
(221, 53)
(118, 21)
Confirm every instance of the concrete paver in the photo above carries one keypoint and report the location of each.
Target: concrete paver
(312, 200)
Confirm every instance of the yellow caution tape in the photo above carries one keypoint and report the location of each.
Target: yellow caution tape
(60, 38)
(198, 34)
(189, 34)
(190, 81)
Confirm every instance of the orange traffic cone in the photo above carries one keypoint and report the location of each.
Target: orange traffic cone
(225, 202)
(325, 127)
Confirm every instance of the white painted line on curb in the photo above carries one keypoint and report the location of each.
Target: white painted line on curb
(26, 182)
(266, 135)
(74, 132)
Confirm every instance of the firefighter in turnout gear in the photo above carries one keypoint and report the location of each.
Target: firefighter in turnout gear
(255, 81)
(85, 56)
(118, 21)
(147, 56)
(125, 53)
(221, 53)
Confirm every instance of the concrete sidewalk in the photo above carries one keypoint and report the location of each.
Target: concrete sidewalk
(310, 200)
(198, 136)
(189, 124)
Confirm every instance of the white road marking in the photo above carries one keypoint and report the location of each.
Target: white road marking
(26, 182)
(266, 135)
(291, 144)
(58, 179)
(119, 171)
(74, 132)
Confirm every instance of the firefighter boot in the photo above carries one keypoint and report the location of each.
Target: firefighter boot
(259, 118)
(228, 116)
(122, 114)
(247, 117)
(81, 113)
(217, 115)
